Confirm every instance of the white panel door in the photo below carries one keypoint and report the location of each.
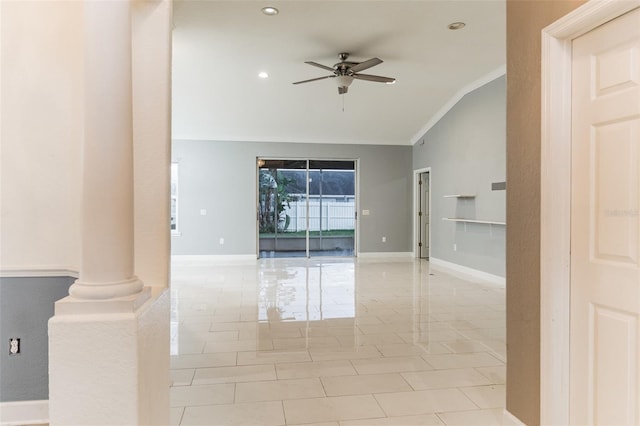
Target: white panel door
(605, 225)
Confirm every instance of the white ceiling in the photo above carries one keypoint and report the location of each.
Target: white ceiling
(220, 47)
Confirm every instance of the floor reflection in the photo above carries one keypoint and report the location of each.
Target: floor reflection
(264, 254)
(312, 334)
(311, 292)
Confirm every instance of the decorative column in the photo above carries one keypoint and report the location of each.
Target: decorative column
(109, 340)
(107, 269)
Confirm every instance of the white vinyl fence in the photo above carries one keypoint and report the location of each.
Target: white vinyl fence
(334, 215)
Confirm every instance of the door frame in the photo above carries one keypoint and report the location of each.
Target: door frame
(416, 204)
(555, 203)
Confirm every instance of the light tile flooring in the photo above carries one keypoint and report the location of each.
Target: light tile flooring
(334, 342)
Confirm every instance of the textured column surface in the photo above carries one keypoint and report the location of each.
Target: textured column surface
(107, 269)
(109, 340)
(110, 369)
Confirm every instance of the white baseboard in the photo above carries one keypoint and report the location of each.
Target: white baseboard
(392, 254)
(509, 419)
(38, 271)
(212, 258)
(466, 272)
(24, 413)
(252, 258)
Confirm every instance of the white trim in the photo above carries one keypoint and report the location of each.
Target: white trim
(466, 272)
(488, 78)
(24, 412)
(356, 240)
(484, 222)
(390, 254)
(213, 258)
(256, 204)
(38, 271)
(555, 208)
(286, 138)
(509, 419)
(175, 232)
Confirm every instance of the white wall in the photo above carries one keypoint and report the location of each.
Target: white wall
(41, 96)
(152, 139)
(42, 133)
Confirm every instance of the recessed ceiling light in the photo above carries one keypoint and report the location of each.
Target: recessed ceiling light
(457, 26)
(263, 74)
(270, 11)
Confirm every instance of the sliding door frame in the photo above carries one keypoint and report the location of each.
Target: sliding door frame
(356, 166)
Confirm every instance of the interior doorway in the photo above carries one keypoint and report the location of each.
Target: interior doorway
(423, 213)
(306, 208)
(559, 227)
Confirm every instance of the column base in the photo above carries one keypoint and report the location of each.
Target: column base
(109, 361)
(101, 291)
(72, 305)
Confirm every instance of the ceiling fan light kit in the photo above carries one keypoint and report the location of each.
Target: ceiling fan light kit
(344, 81)
(345, 72)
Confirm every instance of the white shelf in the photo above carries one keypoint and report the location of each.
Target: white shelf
(459, 196)
(487, 222)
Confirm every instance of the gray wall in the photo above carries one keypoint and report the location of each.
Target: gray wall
(466, 151)
(26, 304)
(221, 178)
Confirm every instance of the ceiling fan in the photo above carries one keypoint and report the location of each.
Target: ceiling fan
(345, 71)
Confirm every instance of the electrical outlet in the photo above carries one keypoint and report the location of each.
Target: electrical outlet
(384, 239)
(14, 346)
(221, 241)
(455, 247)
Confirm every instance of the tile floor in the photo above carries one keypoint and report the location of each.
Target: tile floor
(334, 342)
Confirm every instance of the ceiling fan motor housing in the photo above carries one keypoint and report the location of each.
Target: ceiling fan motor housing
(345, 72)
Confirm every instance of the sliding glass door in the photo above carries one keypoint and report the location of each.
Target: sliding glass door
(306, 208)
(331, 208)
(281, 188)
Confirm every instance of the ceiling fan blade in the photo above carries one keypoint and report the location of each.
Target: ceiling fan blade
(365, 65)
(314, 79)
(324, 67)
(376, 78)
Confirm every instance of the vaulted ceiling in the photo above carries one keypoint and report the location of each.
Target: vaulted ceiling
(220, 47)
